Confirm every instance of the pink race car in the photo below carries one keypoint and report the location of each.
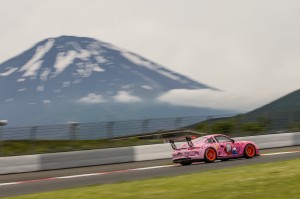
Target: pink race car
(212, 147)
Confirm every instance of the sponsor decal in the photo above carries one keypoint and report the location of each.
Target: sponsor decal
(216, 146)
(234, 151)
(228, 149)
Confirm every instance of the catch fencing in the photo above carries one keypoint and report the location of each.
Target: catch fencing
(101, 130)
(263, 124)
(83, 136)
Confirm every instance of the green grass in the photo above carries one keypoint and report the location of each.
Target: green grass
(271, 180)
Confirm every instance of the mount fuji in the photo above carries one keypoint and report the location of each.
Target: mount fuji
(81, 79)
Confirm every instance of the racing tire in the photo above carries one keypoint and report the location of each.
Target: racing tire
(185, 163)
(249, 151)
(210, 155)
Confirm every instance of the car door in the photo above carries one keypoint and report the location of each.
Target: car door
(227, 146)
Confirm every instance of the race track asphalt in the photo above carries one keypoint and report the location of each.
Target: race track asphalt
(34, 182)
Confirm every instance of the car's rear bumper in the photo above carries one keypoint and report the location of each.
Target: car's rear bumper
(257, 153)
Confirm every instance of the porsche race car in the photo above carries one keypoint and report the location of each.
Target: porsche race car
(212, 147)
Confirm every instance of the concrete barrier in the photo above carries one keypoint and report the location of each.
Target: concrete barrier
(296, 139)
(28, 163)
(86, 158)
(163, 151)
(271, 140)
(152, 152)
(19, 164)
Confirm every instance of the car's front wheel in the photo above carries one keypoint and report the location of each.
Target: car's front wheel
(249, 151)
(210, 155)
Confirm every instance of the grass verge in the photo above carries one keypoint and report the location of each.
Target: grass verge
(270, 180)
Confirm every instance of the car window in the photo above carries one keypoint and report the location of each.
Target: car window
(222, 139)
(199, 139)
(210, 140)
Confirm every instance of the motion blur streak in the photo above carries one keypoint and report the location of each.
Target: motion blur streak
(118, 171)
(279, 153)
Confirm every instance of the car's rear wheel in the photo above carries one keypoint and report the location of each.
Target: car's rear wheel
(210, 155)
(185, 163)
(249, 151)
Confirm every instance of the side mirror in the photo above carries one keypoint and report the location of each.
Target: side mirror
(232, 140)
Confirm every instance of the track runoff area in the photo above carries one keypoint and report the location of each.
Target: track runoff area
(27, 183)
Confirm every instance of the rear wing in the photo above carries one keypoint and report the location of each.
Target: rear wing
(172, 144)
(188, 140)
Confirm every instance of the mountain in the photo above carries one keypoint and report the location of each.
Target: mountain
(280, 115)
(77, 78)
(287, 103)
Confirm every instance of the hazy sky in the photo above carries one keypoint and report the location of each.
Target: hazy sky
(248, 49)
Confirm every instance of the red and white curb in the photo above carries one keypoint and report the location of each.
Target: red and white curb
(117, 171)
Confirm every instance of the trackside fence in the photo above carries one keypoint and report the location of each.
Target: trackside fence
(82, 136)
(100, 130)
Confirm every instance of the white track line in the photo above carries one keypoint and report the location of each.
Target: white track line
(279, 153)
(111, 172)
(78, 176)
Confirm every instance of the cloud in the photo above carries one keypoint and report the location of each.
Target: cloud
(215, 99)
(121, 97)
(91, 98)
(249, 48)
(125, 97)
(47, 101)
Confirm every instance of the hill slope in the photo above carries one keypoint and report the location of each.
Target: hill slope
(281, 115)
(287, 103)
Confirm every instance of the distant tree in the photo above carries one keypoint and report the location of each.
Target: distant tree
(294, 127)
(223, 127)
(203, 127)
(252, 127)
(264, 122)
